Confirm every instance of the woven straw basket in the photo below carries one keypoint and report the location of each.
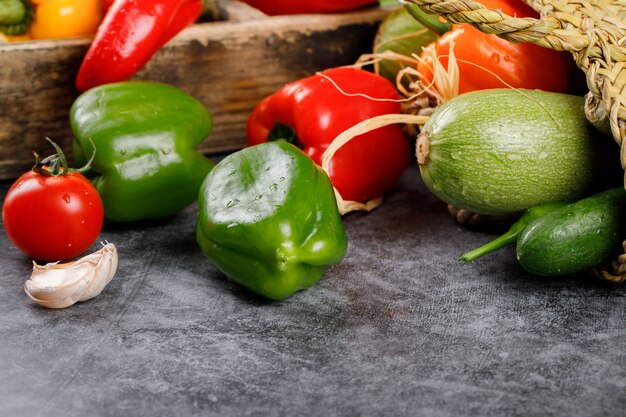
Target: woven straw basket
(593, 31)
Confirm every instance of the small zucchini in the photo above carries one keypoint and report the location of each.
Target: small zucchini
(576, 237)
(502, 151)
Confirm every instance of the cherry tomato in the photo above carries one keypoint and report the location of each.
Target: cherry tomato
(487, 61)
(282, 7)
(52, 218)
(318, 110)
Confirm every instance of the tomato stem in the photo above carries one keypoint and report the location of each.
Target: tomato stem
(56, 165)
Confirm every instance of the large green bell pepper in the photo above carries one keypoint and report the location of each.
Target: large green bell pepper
(268, 220)
(146, 135)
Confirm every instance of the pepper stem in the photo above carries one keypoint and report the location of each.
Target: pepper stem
(286, 133)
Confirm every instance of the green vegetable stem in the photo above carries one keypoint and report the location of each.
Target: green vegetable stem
(432, 22)
(514, 231)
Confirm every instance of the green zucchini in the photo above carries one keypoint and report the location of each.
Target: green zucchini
(501, 151)
(576, 237)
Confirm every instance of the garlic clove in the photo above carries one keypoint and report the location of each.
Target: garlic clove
(56, 285)
(108, 267)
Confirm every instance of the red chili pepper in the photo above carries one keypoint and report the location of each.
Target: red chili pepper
(487, 61)
(130, 34)
(317, 110)
(282, 7)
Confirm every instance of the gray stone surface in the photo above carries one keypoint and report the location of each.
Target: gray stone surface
(400, 328)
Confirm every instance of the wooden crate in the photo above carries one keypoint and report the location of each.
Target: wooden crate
(229, 65)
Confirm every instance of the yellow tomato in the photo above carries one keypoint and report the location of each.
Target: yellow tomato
(65, 18)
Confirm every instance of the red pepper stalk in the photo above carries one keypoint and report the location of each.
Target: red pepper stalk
(131, 32)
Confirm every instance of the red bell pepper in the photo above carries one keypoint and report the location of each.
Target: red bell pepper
(131, 32)
(315, 110)
(282, 7)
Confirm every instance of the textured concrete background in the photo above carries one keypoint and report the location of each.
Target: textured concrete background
(400, 328)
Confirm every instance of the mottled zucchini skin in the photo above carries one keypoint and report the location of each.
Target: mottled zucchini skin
(575, 238)
(502, 151)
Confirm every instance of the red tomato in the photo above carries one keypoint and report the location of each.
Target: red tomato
(52, 218)
(282, 7)
(487, 61)
(318, 110)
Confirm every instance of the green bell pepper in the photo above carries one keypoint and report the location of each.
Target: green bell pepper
(269, 221)
(145, 135)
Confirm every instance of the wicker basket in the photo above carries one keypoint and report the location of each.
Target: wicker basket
(594, 31)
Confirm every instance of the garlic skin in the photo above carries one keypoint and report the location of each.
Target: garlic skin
(56, 285)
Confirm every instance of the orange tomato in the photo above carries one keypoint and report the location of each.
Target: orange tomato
(65, 18)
